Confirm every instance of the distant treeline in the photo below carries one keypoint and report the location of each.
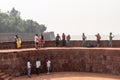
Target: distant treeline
(11, 22)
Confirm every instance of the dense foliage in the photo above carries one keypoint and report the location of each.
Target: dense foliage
(11, 22)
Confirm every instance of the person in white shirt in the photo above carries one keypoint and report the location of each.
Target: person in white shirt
(38, 64)
(36, 40)
(83, 40)
(110, 39)
(29, 68)
(48, 66)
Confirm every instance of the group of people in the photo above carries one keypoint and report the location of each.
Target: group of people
(39, 41)
(65, 40)
(98, 38)
(38, 67)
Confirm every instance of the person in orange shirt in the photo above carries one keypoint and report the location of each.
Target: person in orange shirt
(98, 37)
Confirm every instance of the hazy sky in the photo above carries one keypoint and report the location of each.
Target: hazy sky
(70, 16)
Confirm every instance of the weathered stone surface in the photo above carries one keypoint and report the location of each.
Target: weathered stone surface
(101, 60)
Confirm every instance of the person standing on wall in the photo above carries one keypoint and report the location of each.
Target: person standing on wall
(42, 41)
(29, 69)
(63, 40)
(36, 40)
(83, 40)
(110, 39)
(38, 64)
(68, 40)
(98, 37)
(57, 40)
(18, 41)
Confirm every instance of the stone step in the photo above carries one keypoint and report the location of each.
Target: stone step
(5, 76)
(9, 78)
(2, 73)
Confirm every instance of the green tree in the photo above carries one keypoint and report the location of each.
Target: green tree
(14, 13)
(11, 22)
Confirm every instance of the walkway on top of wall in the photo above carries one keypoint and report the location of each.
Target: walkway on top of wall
(54, 48)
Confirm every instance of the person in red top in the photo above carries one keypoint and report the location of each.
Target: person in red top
(42, 41)
(63, 40)
(98, 37)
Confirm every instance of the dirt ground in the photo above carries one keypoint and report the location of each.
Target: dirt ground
(70, 76)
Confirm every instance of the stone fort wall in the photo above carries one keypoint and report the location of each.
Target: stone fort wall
(98, 60)
(72, 58)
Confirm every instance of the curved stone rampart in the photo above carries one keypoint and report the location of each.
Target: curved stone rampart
(30, 44)
(78, 59)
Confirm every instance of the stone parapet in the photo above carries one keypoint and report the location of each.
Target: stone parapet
(30, 44)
